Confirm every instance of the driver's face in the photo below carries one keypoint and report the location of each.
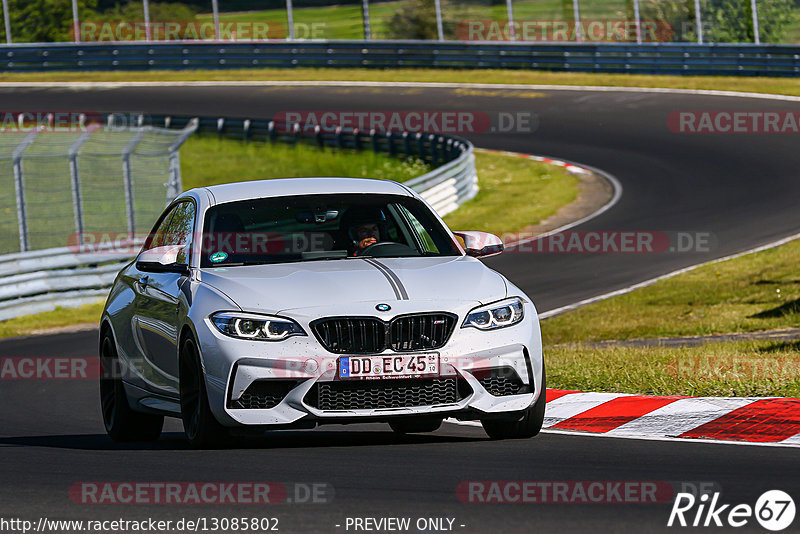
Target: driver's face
(367, 230)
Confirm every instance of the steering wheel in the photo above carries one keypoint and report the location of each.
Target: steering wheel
(375, 246)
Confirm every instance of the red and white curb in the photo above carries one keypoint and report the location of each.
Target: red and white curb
(570, 167)
(753, 420)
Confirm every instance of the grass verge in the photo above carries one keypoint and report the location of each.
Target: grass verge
(783, 86)
(740, 369)
(20, 326)
(204, 157)
(758, 291)
(524, 194)
(531, 190)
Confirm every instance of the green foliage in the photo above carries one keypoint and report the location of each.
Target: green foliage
(417, 20)
(731, 21)
(724, 21)
(159, 12)
(43, 20)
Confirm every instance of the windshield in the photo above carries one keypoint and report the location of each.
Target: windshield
(321, 227)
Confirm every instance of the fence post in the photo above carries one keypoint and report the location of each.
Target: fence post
(439, 28)
(290, 18)
(175, 183)
(576, 12)
(148, 36)
(510, 12)
(127, 177)
(698, 21)
(637, 21)
(215, 10)
(365, 18)
(75, 179)
(75, 21)
(19, 188)
(754, 9)
(7, 21)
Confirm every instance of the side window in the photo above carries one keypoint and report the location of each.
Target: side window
(156, 237)
(180, 229)
(427, 242)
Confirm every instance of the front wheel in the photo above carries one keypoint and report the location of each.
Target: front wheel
(200, 426)
(527, 427)
(121, 422)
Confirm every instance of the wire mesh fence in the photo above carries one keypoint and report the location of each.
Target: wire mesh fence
(637, 21)
(60, 184)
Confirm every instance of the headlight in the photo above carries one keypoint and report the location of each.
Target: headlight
(498, 315)
(258, 327)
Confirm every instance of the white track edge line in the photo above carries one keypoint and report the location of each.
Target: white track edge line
(624, 290)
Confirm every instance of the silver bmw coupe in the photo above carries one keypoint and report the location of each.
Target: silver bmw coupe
(289, 303)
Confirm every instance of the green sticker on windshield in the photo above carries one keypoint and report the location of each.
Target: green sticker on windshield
(218, 257)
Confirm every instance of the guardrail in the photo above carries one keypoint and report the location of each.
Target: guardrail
(31, 282)
(649, 58)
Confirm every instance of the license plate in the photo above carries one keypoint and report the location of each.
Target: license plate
(388, 366)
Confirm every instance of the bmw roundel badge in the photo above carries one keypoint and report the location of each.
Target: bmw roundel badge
(383, 307)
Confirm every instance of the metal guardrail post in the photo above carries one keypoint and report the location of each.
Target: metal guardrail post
(19, 189)
(637, 21)
(127, 177)
(75, 180)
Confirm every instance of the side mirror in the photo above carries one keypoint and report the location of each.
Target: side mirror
(481, 244)
(162, 260)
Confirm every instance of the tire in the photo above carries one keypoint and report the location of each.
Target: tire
(199, 424)
(527, 427)
(415, 425)
(121, 422)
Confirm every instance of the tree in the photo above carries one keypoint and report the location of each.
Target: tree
(731, 21)
(724, 21)
(417, 20)
(43, 21)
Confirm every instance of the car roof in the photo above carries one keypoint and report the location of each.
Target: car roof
(279, 187)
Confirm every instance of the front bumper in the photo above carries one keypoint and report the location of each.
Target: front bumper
(302, 365)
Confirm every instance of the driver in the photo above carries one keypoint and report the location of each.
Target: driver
(364, 226)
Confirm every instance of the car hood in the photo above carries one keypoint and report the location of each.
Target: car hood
(272, 288)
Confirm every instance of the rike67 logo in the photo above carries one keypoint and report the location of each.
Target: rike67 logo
(774, 510)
